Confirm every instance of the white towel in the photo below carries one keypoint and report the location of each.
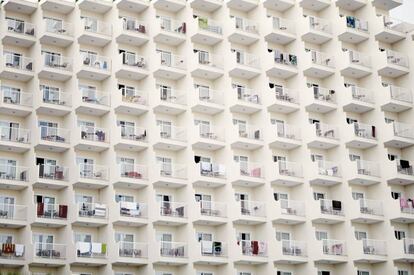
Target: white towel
(207, 247)
(206, 166)
(222, 170)
(19, 250)
(131, 205)
(97, 248)
(215, 168)
(83, 247)
(262, 247)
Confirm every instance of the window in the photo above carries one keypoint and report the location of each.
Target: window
(11, 94)
(357, 195)
(324, 272)
(204, 236)
(319, 196)
(399, 234)
(282, 236)
(6, 238)
(321, 235)
(362, 272)
(205, 273)
(82, 237)
(244, 273)
(353, 157)
(403, 272)
(165, 165)
(284, 273)
(126, 198)
(280, 196)
(123, 237)
(316, 158)
(361, 235)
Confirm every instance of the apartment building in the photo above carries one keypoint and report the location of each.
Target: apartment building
(206, 137)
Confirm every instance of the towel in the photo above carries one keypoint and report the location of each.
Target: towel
(207, 247)
(97, 248)
(255, 245)
(19, 250)
(262, 247)
(206, 166)
(83, 247)
(403, 203)
(103, 249)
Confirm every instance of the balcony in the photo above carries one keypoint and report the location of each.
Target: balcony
(170, 31)
(56, 33)
(358, 100)
(247, 101)
(133, 176)
(282, 65)
(133, 32)
(94, 67)
(95, 33)
(286, 101)
(15, 139)
(315, 5)
(393, 64)
(16, 103)
(13, 215)
(17, 33)
(396, 99)
(130, 101)
(244, 65)
(242, 5)
(136, 6)
(171, 138)
(279, 30)
(171, 253)
(24, 7)
(351, 5)
(402, 250)
(367, 211)
(131, 138)
(91, 176)
(319, 65)
(91, 254)
(170, 5)
(207, 101)
(243, 31)
(358, 65)
(206, 31)
(399, 172)
(50, 215)
(49, 254)
(249, 137)
(325, 173)
(369, 251)
(206, 65)
(52, 139)
(206, 5)
(170, 175)
(91, 214)
(322, 136)
(279, 5)
(51, 176)
(363, 172)
(12, 255)
(291, 252)
(16, 67)
(211, 253)
(401, 211)
(171, 213)
(287, 173)
(53, 102)
(208, 137)
(210, 213)
(133, 214)
(330, 251)
(96, 6)
(14, 177)
(318, 31)
(170, 66)
(131, 253)
(247, 253)
(353, 30)
(208, 174)
(393, 30)
(360, 136)
(92, 102)
(320, 100)
(289, 212)
(398, 135)
(61, 7)
(387, 4)
(170, 101)
(327, 211)
(89, 138)
(131, 66)
(248, 174)
(250, 212)
(56, 67)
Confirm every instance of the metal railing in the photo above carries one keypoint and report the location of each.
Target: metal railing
(95, 97)
(294, 248)
(364, 130)
(288, 95)
(246, 25)
(251, 169)
(171, 60)
(248, 95)
(94, 134)
(329, 168)
(397, 58)
(93, 171)
(331, 207)
(133, 209)
(371, 207)
(133, 25)
(323, 59)
(209, 95)
(214, 170)
(173, 96)
(374, 247)
(12, 172)
(94, 210)
(397, 25)
(51, 211)
(326, 131)
(368, 168)
(19, 27)
(95, 26)
(324, 94)
(288, 131)
(133, 171)
(404, 170)
(362, 94)
(171, 25)
(13, 212)
(252, 208)
(283, 25)
(58, 27)
(248, 59)
(403, 130)
(208, 59)
(96, 61)
(213, 248)
(12, 251)
(49, 250)
(401, 94)
(134, 96)
(14, 134)
(134, 60)
(254, 248)
(91, 250)
(54, 134)
(358, 58)
(133, 133)
(18, 62)
(291, 207)
(408, 246)
(132, 249)
(53, 172)
(334, 247)
(291, 169)
(178, 171)
(16, 97)
(173, 249)
(213, 209)
(56, 97)
(173, 209)
(320, 24)
(210, 25)
(210, 132)
(250, 132)
(173, 132)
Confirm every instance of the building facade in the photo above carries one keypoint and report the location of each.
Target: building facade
(206, 137)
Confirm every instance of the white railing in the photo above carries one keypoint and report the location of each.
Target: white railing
(171, 60)
(283, 25)
(53, 172)
(178, 171)
(18, 62)
(403, 130)
(254, 248)
(246, 25)
(252, 208)
(58, 27)
(357, 24)
(171, 25)
(91, 250)
(208, 59)
(173, 209)
(288, 131)
(291, 169)
(329, 168)
(397, 58)
(251, 169)
(93, 171)
(95, 97)
(173, 96)
(134, 60)
(12, 172)
(248, 95)
(96, 61)
(49, 250)
(213, 248)
(134, 96)
(210, 132)
(326, 131)
(358, 58)
(51, 211)
(132, 249)
(173, 132)
(95, 26)
(324, 94)
(94, 134)
(362, 94)
(323, 59)
(94, 210)
(13, 212)
(291, 207)
(133, 133)
(248, 59)
(319, 24)
(368, 168)
(14, 134)
(54, 134)
(213, 209)
(56, 97)
(13, 251)
(250, 132)
(374, 247)
(214, 170)
(19, 27)
(331, 207)
(408, 246)
(401, 94)
(210, 25)
(397, 25)
(16, 97)
(209, 95)
(133, 171)
(334, 247)
(294, 248)
(133, 209)
(364, 130)
(133, 25)
(371, 207)
(173, 249)
(288, 95)
(285, 58)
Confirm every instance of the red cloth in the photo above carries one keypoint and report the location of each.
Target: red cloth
(40, 209)
(63, 211)
(255, 245)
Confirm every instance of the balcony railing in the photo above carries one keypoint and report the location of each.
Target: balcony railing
(250, 132)
(94, 134)
(50, 250)
(213, 209)
(19, 27)
(173, 249)
(248, 59)
(173, 132)
(51, 211)
(396, 58)
(12, 251)
(397, 25)
(251, 169)
(291, 169)
(283, 25)
(178, 171)
(210, 96)
(374, 247)
(248, 95)
(13, 172)
(322, 59)
(294, 248)
(408, 246)
(334, 247)
(13, 212)
(210, 132)
(91, 250)
(53, 172)
(94, 210)
(403, 130)
(357, 24)
(287, 95)
(246, 25)
(173, 61)
(54, 134)
(93, 96)
(133, 171)
(364, 130)
(253, 248)
(252, 208)
(14, 134)
(326, 131)
(324, 94)
(173, 96)
(358, 58)
(208, 59)
(213, 248)
(133, 25)
(406, 170)
(331, 207)
(133, 133)
(132, 249)
(93, 171)
(56, 97)
(368, 168)
(210, 25)
(173, 209)
(171, 25)
(18, 62)
(133, 209)
(214, 170)
(95, 26)
(16, 97)
(319, 24)
(290, 207)
(288, 131)
(329, 168)
(285, 58)
(58, 27)
(401, 94)
(134, 96)
(134, 60)
(361, 94)
(96, 61)
(371, 207)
